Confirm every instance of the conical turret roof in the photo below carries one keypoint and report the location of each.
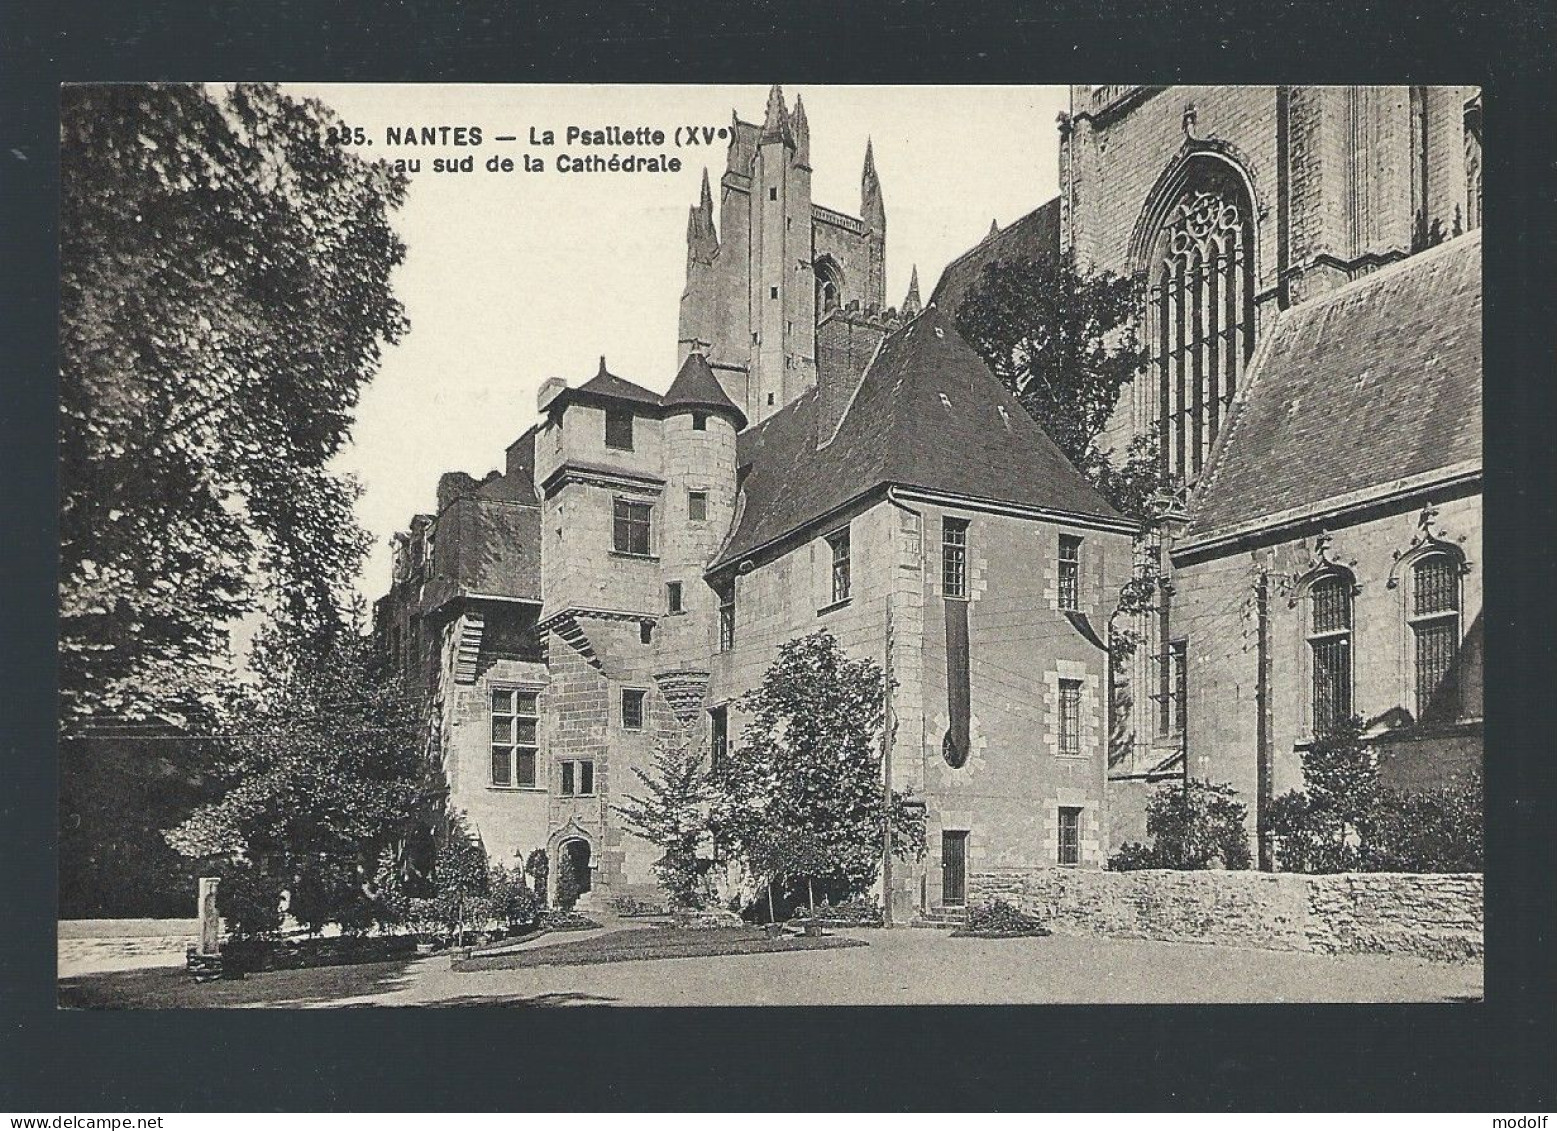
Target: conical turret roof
(697, 387)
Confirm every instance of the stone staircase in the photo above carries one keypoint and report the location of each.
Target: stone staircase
(942, 918)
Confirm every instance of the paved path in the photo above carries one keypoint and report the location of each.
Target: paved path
(925, 967)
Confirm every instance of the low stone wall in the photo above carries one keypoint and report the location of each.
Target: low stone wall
(1428, 916)
(93, 945)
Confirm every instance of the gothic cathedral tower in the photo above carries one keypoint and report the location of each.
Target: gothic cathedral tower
(776, 262)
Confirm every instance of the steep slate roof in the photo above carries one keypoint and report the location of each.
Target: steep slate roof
(1351, 394)
(1034, 236)
(697, 387)
(927, 414)
(606, 384)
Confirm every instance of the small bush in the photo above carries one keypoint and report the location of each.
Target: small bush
(1195, 824)
(1001, 918)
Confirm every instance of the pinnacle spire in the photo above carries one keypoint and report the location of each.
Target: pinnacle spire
(872, 210)
(776, 121)
(912, 304)
(702, 239)
(800, 129)
(994, 230)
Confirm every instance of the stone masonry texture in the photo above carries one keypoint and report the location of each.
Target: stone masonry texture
(1438, 917)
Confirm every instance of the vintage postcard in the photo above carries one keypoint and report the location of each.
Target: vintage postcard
(770, 545)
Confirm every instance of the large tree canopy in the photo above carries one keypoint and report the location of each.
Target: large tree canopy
(1064, 342)
(808, 767)
(326, 782)
(225, 296)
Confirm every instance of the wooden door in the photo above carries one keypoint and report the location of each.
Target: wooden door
(954, 869)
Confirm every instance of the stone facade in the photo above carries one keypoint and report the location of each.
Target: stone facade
(1435, 917)
(1006, 796)
(1219, 602)
(757, 285)
(1339, 180)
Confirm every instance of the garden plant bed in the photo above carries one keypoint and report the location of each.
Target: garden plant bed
(254, 956)
(1000, 920)
(661, 942)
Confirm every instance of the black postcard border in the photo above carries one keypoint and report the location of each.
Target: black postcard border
(1493, 1056)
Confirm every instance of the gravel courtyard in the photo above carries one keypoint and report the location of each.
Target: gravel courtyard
(900, 967)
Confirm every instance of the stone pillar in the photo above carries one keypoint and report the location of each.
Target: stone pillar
(210, 923)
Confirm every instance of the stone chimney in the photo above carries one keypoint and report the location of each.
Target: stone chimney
(846, 340)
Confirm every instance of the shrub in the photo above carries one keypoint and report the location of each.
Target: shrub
(1346, 821)
(570, 885)
(513, 903)
(249, 899)
(536, 866)
(1431, 831)
(1002, 918)
(1196, 825)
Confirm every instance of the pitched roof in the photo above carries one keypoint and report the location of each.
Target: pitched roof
(928, 414)
(697, 387)
(1034, 236)
(1371, 387)
(609, 385)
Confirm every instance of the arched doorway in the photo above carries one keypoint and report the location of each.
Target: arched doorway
(574, 876)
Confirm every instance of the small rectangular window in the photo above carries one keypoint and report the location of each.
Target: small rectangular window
(631, 523)
(838, 544)
(726, 595)
(632, 709)
(619, 429)
(773, 194)
(1070, 716)
(578, 778)
(954, 557)
(719, 735)
(697, 506)
(1070, 836)
(700, 422)
(773, 292)
(1070, 572)
(673, 596)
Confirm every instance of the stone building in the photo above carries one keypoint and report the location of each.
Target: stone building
(757, 284)
(1252, 220)
(1309, 281)
(646, 554)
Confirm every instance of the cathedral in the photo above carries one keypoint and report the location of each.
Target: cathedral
(1308, 268)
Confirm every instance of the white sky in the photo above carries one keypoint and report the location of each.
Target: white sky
(513, 278)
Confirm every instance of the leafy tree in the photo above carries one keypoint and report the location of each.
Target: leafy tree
(461, 878)
(1194, 825)
(674, 818)
(1327, 826)
(1064, 342)
(224, 298)
(323, 770)
(810, 760)
(535, 866)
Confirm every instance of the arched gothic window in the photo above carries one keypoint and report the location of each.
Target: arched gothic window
(1202, 312)
(1434, 616)
(1330, 648)
(829, 285)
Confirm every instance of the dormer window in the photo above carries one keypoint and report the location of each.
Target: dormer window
(619, 429)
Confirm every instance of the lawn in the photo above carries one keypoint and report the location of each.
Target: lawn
(653, 942)
(171, 987)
